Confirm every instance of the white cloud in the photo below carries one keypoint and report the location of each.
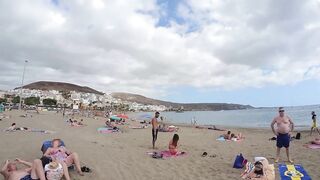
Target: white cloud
(117, 46)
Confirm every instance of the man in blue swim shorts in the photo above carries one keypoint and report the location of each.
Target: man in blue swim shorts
(284, 126)
(33, 171)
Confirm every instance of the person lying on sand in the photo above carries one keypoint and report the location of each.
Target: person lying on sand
(165, 128)
(14, 128)
(316, 141)
(215, 128)
(63, 155)
(34, 171)
(260, 171)
(173, 144)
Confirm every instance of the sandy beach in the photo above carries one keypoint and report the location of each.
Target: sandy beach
(123, 155)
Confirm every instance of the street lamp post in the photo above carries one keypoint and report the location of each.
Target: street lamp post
(24, 70)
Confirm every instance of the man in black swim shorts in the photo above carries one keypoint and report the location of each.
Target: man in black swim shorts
(155, 128)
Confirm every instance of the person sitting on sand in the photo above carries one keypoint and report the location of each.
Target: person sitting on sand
(61, 154)
(34, 171)
(234, 137)
(173, 144)
(111, 126)
(81, 123)
(227, 136)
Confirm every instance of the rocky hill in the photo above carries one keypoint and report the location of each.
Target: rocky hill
(60, 86)
(187, 106)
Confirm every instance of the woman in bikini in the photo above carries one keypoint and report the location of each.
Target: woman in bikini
(61, 154)
(173, 144)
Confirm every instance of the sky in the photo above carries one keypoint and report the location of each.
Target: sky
(262, 53)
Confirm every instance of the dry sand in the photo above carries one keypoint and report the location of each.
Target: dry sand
(120, 156)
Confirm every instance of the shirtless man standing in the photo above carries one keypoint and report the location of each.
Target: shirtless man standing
(284, 126)
(155, 128)
(34, 171)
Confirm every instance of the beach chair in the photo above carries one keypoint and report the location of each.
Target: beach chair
(47, 144)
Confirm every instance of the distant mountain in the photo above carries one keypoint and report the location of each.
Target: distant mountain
(187, 106)
(60, 86)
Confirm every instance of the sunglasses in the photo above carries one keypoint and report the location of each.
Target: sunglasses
(281, 111)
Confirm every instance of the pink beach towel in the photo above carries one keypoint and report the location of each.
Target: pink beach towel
(167, 154)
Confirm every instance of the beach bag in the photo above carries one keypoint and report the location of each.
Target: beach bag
(239, 162)
(298, 136)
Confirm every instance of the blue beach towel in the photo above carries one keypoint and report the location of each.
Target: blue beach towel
(220, 139)
(293, 172)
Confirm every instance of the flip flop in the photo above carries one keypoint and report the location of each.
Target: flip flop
(204, 154)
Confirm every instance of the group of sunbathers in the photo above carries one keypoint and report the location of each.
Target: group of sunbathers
(232, 136)
(76, 123)
(166, 128)
(52, 166)
(111, 126)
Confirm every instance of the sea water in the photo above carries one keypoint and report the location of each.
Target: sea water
(250, 118)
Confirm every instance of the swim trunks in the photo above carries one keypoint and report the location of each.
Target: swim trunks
(154, 134)
(28, 177)
(283, 140)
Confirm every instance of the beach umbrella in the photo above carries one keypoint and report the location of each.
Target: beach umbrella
(115, 118)
(122, 116)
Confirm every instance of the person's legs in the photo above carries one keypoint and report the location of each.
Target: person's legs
(65, 171)
(288, 155)
(37, 171)
(318, 131)
(311, 130)
(153, 138)
(156, 135)
(278, 155)
(74, 159)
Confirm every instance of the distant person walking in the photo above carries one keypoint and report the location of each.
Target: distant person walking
(314, 123)
(284, 126)
(155, 128)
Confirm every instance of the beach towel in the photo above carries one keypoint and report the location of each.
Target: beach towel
(221, 139)
(293, 172)
(249, 168)
(312, 146)
(104, 130)
(269, 172)
(166, 154)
